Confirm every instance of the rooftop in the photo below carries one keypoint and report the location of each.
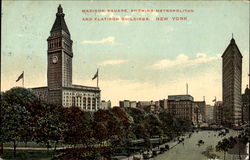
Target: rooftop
(60, 23)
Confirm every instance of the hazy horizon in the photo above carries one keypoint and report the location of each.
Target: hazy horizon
(136, 60)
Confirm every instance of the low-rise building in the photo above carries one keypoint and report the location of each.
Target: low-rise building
(202, 108)
(105, 104)
(163, 104)
(145, 103)
(209, 114)
(245, 106)
(149, 106)
(218, 112)
(183, 107)
(127, 103)
(133, 104)
(124, 103)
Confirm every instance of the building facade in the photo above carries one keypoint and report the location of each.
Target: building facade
(183, 107)
(231, 85)
(124, 103)
(149, 106)
(202, 109)
(60, 90)
(128, 103)
(163, 104)
(245, 106)
(209, 114)
(218, 112)
(105, 104)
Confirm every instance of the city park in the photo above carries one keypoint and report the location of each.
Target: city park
(31, 129)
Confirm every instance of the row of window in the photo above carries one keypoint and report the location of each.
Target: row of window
(78, 101)
(67, 46)
(55, 44)
(83, 107)
(78, 94)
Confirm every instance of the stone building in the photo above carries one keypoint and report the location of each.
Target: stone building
(163, 103)
(202, 108)
(183, 107)
(124, 103)
(128, 103)
(60, 90)
(149, 106)
(105, 104)
(231, 85)
(245, 106)
(209, 114)
(133, 104)
(218, 112)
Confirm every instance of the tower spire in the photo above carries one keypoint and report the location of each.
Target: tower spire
(59, 9)
(232, 40)
(60, 23)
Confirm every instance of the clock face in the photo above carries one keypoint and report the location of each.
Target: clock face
(54, 59)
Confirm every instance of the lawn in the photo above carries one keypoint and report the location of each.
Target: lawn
(27, 154)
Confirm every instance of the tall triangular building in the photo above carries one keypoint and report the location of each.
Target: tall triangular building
(231, 85)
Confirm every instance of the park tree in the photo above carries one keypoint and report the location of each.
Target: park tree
(110, 121)
(225, 145)
(124, 121)
(15, 117)
(49, 126)
(167, 123)
(78, 127)
(21, 96)
(124, 118)
(153, 125)
(139, 131)
(14, 122)
(100, 132)
(118, 125)
(137, 115)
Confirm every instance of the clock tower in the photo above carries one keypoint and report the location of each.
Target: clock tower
(60, 90)
(59, 56)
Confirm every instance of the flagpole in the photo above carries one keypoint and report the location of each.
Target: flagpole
(97, 81)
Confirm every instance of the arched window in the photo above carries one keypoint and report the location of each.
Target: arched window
(93, 103)
(73, 101)
(84, 102)
(89, 103)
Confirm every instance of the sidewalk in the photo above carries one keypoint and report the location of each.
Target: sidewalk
(34, 148)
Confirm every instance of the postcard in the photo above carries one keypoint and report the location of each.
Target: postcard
(124, 80)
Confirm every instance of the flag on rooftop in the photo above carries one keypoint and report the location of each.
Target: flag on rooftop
(96, 75)
(20, 77)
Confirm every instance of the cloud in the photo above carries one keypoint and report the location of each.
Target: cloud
(104, 40)
(112, 62)
(183, 60)
(146, 91)
(246, 1)
(19, 35)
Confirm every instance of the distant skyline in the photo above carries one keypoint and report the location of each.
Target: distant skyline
(136, 60)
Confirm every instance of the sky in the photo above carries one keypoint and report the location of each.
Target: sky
(137, 60)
